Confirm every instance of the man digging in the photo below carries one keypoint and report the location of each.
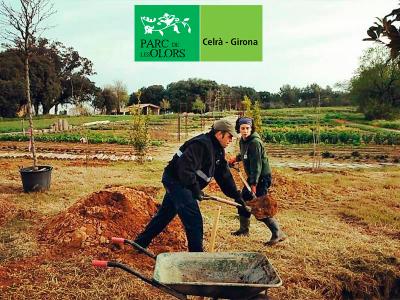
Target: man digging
(191, 169)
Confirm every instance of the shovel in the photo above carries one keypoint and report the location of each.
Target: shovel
(237, 169)
(261, 207)
(222, 200)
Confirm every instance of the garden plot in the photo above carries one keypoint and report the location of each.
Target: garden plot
(342, 224)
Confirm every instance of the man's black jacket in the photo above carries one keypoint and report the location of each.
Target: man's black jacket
(197, 161)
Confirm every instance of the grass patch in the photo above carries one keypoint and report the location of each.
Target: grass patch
(70, 183)
(376, 215)
(17, 240)
(76, 279)
(116, 121)
(42, 122)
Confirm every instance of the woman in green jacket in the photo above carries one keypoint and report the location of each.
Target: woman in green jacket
(258, 171)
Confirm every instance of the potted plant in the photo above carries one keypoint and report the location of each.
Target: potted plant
(36, 177)
(24, 24)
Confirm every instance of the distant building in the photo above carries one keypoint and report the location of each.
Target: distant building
(147, 109)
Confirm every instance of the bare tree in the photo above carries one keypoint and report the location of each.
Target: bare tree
(121, 92)
(21, 27)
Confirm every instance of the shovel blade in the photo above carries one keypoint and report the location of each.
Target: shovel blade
(263, 207)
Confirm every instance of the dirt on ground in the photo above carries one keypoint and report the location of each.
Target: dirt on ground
(7, 211)
(113, 212)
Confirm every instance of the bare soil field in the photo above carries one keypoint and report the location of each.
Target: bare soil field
(365, 152)
(343, 229)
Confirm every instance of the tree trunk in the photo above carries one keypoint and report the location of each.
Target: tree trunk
(118, 107)
(56, 109)
(46, 109)
(36, 108)
(28, 98)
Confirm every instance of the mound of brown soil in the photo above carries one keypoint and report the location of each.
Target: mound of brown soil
(116, 211)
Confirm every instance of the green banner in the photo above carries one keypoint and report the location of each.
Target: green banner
(198, 33)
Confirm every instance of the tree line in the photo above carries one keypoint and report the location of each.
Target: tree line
(184, 95)
(60, 75)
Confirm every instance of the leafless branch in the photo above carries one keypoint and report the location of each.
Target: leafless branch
(22, 26)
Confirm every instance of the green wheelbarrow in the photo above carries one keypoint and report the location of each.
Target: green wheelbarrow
(229, 275)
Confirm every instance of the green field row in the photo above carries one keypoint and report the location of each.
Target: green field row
(326, 136)
(74, 138)
(295, 136)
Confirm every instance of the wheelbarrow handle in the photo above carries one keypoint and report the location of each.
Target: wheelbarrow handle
(118, 240)
(100, 263)
(152, 281)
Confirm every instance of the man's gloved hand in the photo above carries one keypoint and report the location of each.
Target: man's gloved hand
(199, 196)
(196, 191)
(240, 200)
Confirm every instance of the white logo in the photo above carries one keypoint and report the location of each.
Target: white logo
(162, 23)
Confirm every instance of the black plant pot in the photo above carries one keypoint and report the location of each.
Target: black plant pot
(36, 180)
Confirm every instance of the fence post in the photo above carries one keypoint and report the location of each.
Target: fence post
(179, 127)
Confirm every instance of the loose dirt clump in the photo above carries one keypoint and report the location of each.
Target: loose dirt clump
(213, 187)
(117, 211)
(7, 211)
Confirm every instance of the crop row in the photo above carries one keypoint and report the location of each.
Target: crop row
(281, 122)
(276, 135)
(306, 136)
(74, 138)
(63, 137)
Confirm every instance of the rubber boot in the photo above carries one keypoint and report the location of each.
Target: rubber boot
(277, 234)
(244, 226)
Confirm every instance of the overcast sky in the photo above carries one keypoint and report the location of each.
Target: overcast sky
(305, 41)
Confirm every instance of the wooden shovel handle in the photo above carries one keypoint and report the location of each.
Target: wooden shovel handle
(214, 229)
(222, 200)
(244, 180)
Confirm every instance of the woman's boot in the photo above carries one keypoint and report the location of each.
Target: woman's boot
(277, 234)
(244, 226)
